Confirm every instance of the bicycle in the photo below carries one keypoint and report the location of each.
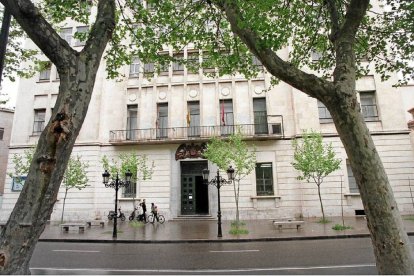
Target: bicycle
(151, 218)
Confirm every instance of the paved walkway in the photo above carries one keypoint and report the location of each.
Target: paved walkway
(206, 231)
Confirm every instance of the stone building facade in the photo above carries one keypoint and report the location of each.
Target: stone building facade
(171, 116)
(6, 122)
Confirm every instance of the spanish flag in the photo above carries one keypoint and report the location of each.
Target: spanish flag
(222, 114)
(188, 116)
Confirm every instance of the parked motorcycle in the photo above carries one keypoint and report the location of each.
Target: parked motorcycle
(133, 214)
(120, 215)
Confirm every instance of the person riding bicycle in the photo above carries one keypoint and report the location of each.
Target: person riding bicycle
(154, 211)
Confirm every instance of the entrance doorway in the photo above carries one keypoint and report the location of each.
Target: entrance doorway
(194, 194)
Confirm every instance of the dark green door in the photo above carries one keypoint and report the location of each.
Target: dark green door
(188, 199)
(194, 193)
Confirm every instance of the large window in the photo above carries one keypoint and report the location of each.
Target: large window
(134, 67)
(81, 31)
(193, 62)
(324, 115)
(193, 119)
(162, 120)
(130, 190)
(260, 116)
(66, 34)
(132, 121)
(1, 133)
(149, 68)
(165, 67)
(45, 72)
(369, 105)
(39, 121)
(256, 62)
(178, 67)
(226, 117)
(353, 187)
(264, 179)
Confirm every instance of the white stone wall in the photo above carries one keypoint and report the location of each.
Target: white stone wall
(6, 122)
(293, 198)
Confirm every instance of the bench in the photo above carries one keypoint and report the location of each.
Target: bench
(288, 224)
(69, 226)
(95, 223)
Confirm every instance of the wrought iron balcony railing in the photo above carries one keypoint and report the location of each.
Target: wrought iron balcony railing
(267, 130)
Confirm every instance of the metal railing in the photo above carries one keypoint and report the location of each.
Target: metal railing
(195, 132)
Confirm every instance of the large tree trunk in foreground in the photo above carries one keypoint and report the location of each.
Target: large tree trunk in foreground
(392, 248)
(77, 72)
(391, 245)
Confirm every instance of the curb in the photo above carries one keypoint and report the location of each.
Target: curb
(346, 236)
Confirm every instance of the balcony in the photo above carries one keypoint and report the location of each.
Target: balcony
(268, 131)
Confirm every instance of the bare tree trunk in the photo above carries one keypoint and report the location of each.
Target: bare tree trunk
(236, 197)
(320, 201)
(77, 72)
(63, 208)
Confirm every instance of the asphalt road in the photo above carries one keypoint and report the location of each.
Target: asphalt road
(328, 257)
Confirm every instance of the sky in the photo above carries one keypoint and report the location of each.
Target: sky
(10, 89)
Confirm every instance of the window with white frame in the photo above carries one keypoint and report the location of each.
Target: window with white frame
(256, 62)
(178, 66)
(315, 55)
(81, 31)
(44, 74)
(193, 60)
(39, 121)
(130, 191)
(264, 179)
(353, 187)
(164, 67)
(149, 68)
(66, 34)
(324, 115)
(132, 121)
(134, 67)
(369, 105)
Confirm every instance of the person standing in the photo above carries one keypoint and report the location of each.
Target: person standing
(144, 210)
(154, 211)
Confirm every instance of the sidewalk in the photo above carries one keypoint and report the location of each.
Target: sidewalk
(206, 231)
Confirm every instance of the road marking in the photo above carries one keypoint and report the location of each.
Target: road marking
(234, 251)
(176, 271)
(77, 251)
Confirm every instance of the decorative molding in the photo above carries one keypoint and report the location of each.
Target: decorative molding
(162, 95)
(185, 151)
(258, 90)
(193, 93)
(132, 97)
(225, 91)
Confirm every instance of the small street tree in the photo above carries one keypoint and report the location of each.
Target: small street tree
(234, 152)
(138, 165)
(314, 160)
(21, 164)
(74, 177)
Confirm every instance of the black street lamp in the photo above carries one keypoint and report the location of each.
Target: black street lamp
(218, 181)
(116, 183)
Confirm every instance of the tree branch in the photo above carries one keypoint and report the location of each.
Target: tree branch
(40, 31)
(102, 28)
(333, 12)
(354, 15)
(308, 83)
